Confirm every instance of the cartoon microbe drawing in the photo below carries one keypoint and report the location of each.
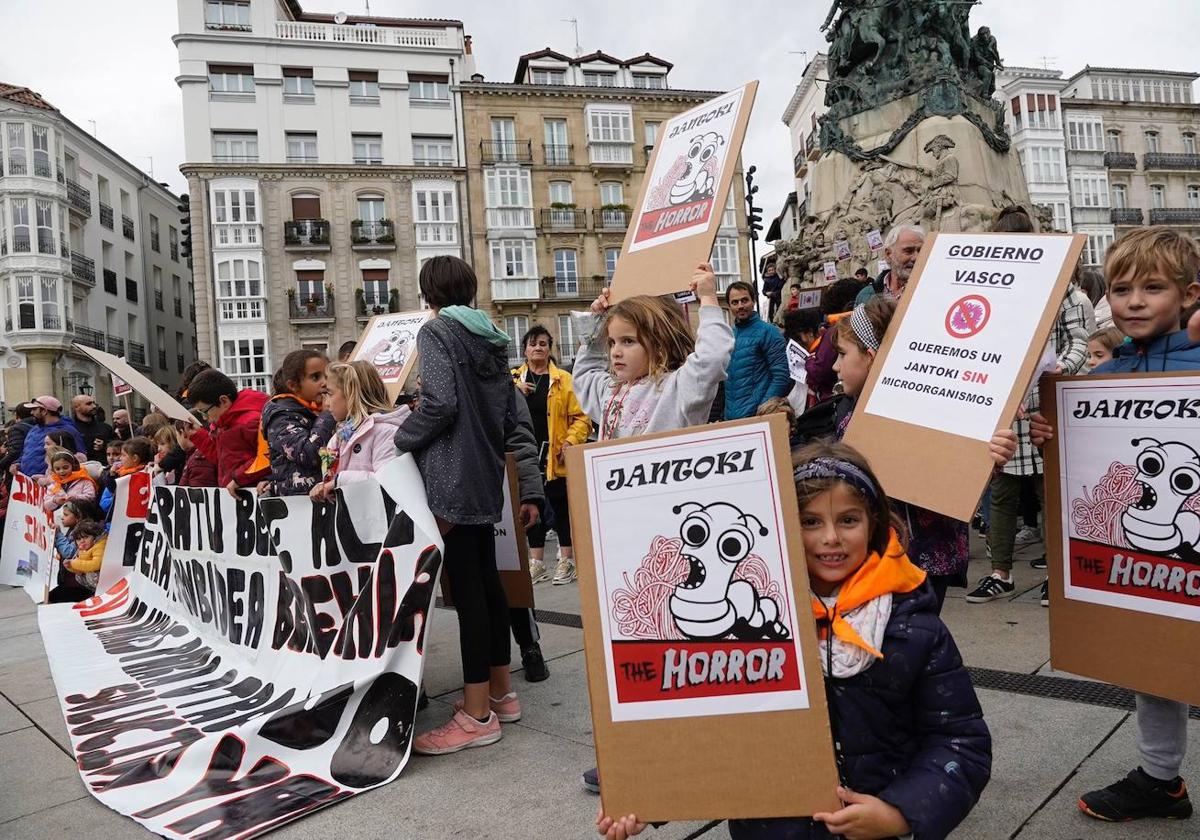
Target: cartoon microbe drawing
(696, 181)
(1168, 474)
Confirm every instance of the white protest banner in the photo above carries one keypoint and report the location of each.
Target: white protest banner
(121, 388)
(874, 241)
(810, 299)
(131, 505)
(261, 660)
(797, 356)
(389, 342)
(134, 378)
(1123, 477)
(841, 248)
(957, 359)
(27, 557)
(830, 270)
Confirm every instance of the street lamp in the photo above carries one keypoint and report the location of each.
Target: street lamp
(754, 222)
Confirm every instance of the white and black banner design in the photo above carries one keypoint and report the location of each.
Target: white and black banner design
(261, 659)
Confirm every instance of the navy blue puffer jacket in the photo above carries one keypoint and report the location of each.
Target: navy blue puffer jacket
(758, 368)
(910, 728)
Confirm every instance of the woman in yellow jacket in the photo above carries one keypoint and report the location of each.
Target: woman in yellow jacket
(558, 422)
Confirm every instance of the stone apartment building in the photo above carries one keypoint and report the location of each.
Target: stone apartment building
(89, 254)
(555, 160)
(324, 159)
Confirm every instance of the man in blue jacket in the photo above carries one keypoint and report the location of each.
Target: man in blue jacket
(758, 369)
(47, 411)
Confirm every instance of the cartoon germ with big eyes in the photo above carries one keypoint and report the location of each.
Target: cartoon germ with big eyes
(1169, 475)
(710, 604)
(396, 349)
(697, 181)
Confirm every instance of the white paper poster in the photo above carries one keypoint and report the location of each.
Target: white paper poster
(973, 315)
(694, 589)
(874, 241)
(797, 356)
(810, 299)
(1130, 478)
(830, 270)
(389, 343)
(842, 249)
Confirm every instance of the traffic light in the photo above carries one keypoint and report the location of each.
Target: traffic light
(753, 214)
(754, 218)
(185, 228)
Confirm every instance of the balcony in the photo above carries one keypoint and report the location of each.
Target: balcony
(563, 219)
(611, 218)
(110, 281)
(1120, 160)
(115, 346)
(106, 215)
(800, 164)
(812, 148)
(137, 354)
(80, 198)
(311, 234)
(45, 240)
(1175, 216)
(158, 300)
(1171, 160)
(367, 235)
(610, 154)
(89, 338)
(131, 290)
(580, 288)
(436, 233)
(21, 243)
(83, 269)
(370, 304)
(506, 151)
(558, 155)
(515, 288)
(507, 218)
(127, 227)
(236, 235)
(162, 359)
(1126, 216)
(310, 308)
(380, 36)
(1082, 215)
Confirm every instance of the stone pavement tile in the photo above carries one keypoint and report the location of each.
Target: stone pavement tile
(22, 682)
(47, 714)
(1005, 635)
(525, 786)
(34, 776)
(563, 598)
(14, 601)
(15, 626)
(84, 817)
(11, 718)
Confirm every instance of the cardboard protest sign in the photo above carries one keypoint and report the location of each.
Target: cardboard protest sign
(797, 356)
(1123, 529)
(810, 299)
(121, 388)
(683, 196)
(830, 270)
(134, 378)
(957, 360)
(841, 248)
(27, 556)
(275, 641)
(389, 342)
(698, 625)
(875, 241)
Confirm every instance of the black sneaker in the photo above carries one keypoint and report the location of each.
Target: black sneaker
(1137, 796)
(591, 780)
(989, 589)
(1045, 596)
(534, 664)
(1038, 562)
(422, 701)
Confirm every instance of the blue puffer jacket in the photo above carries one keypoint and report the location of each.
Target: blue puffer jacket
(910, 728)
(1174, 351)
(33, 453)
(758, 369)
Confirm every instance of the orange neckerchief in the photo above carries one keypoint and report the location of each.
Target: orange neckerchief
(262, 458)
(124, 471)
(60, 485)
(892, 572)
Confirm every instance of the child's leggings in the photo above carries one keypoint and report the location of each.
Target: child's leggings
(470, 559)
(1162, 735)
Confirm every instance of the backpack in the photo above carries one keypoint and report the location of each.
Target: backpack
(820, 421)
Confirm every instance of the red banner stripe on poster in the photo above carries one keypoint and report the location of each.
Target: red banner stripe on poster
(668, 219)
(674, 670)
(1108, 569)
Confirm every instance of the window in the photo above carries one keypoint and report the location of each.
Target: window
(729, 217)
(504, 130)
(1090, 190)
(368, 148)
(370, 208)
(376, 290)
(435, 216)
(561, 193)
(566, 275)
(1112, 140)
(235, 146)
(1120, 196)
(1193, 196)
(173, 242)
(1061, 217)
(651, 81)
(548, 77)
(227, 14)
(51, 312)
(306, 206)
(177, 295)
(1189, 143)
(610, 262)
(310, 287)
(157, 283)
(650, 133)
(45, 225)
(301, 147)
(610, 135)
(424, 88)
(1152, 141)
(26, 303)
(725, 261)
(594, 78)
(1084, 135)
(234, 206)
(231, 79)
(558, 147)
(1045, 164)
(513, 258)
(1096, 248)
(508, 188)
(244, 360)
(17, 149)
(568, 340)
(1158, 196)
(298, 83)
(239, 290)
(433, 151)
(364, 87)
(516, 326)
(154, 239)
(611, 193)
(41, 152)
(20, 218)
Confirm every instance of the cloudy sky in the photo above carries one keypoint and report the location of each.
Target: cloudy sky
(113, 62)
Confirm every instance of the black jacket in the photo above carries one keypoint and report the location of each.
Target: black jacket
(295, 436)
(97, 429)
(14, 442)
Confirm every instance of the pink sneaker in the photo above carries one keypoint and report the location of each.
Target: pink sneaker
(461, 732)
(507, 708)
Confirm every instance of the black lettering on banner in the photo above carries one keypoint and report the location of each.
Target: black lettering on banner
(324, 540)
(364, 759)
(317, 591)
(400, 626)
(182, 538)
(299, 727)
(161, 509)
(105, 731)
(256, 811)
(154, 763)
(356, 550)
(245, 529)
(134, 536)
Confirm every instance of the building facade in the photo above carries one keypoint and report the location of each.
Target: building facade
(1131, 152)
(325, 164)
(801, 116)
(89, 254)
(1031, 98)
(555, 161)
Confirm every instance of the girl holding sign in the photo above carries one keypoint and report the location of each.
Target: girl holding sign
(913, 751)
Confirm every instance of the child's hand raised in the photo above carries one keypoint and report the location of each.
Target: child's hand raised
(601, 303)
(618, 829)
(704, 285)
(864, 818)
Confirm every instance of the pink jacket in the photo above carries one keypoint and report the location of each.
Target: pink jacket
(371, 446)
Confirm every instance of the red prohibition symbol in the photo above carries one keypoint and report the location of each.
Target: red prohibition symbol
(968, 316)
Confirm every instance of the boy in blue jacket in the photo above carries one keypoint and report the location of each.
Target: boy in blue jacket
(1153, 280)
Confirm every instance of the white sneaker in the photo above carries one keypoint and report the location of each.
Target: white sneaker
(564, 572)
(1027, 535)
(537, 571)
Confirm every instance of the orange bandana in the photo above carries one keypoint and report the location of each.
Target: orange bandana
(60, 485)
(124, 471)
(262, 458)
(878, 575)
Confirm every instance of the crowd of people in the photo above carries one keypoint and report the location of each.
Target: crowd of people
(913, 748)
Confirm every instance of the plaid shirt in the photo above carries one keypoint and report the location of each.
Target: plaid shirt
(1075, 322)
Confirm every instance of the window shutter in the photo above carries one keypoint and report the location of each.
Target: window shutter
(428, 77)
(1016, 106)
(313, 276)
(1031, 102)
(303, 72)
(375, 274)
(306, 207)
(363, 76)
(1053, 102)
(235, 69)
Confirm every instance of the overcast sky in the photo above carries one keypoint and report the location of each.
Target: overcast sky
(114, 63)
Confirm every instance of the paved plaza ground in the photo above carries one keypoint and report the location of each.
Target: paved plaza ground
(1055, 737)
